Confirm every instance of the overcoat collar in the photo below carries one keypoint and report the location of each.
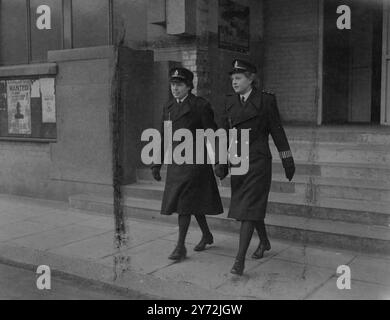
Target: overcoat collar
(176, 111)
(254, 99)
(240, 113)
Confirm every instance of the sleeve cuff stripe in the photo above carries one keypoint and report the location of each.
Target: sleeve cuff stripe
(285, 154)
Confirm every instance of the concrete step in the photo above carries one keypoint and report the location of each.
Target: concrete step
(322, 169)
(356, 134)
(336, 234)
(292, 204)
(313, 151)
(314, 188)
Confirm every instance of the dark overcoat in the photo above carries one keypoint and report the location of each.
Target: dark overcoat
(249, 192)
(190, 188)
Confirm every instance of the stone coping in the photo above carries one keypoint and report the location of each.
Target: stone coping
(90, 53)
(28, 70)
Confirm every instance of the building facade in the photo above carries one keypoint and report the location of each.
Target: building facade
(60, 62)
(64, 50)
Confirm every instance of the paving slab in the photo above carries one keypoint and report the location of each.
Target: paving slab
(277, 279)
(194, 235)
(146, 258)
(106, 223)
(145, 232)
(57, 237)
(371, 270)
(359, 291)
(8, 206)
(29, 206)
(29, 201)
(203, 269)
(229, 247)
(319, 257)
(92, 248)
(60, 218)
(6, 219)
(26, 211)
(17, 229)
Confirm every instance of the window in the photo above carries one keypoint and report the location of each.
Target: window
(44, 40)
(91, 19)
(13, 36)
(74, 24)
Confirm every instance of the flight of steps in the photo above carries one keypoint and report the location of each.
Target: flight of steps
(339, 197)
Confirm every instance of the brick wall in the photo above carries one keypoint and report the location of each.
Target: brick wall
(291, 56)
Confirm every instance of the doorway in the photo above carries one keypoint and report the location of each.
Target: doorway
(352, 63)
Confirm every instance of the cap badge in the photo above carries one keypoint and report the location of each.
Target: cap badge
(176, 73)
(236, 65)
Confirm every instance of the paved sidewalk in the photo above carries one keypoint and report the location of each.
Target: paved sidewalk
(35, 232)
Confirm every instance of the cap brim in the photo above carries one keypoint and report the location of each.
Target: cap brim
(237, 71)
(241, 71)
(177, 79)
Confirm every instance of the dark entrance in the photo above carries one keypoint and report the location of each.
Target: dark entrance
(352, 63)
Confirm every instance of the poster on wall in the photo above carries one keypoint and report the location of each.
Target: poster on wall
(19, 109)
(233, 26)
(48, 100)
(35, 89)
(3, 96)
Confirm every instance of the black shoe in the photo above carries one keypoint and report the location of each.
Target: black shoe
(178, 254)
(263, 246)
(201, 246)
(238, 267)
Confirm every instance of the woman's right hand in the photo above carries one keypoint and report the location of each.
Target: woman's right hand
(156, 173)
(221, 170)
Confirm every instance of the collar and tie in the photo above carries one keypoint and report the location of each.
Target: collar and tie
(244, 97)
(182, 100)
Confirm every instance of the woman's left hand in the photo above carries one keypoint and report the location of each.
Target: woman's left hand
(221, 170)
(289, 167)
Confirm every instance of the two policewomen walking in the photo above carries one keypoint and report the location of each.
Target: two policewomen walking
(191, 189)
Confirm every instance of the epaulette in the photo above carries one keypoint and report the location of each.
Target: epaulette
(200, 99)
(268, 92)
(230, 94)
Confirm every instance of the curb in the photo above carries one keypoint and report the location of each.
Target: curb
(103, 276)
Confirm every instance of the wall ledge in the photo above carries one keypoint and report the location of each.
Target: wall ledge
(28, 70)
(91, 53)
(33, 140)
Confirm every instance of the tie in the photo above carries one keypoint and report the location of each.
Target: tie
(242, 100)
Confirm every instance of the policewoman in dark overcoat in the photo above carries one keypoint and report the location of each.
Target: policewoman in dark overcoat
(255, 109)
(190, 189)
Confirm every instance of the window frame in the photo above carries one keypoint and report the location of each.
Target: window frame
(66, 28)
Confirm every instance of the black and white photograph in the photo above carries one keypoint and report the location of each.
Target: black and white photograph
(194, 156)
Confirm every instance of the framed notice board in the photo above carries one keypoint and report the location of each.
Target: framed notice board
(28, 108)
(233, 26)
